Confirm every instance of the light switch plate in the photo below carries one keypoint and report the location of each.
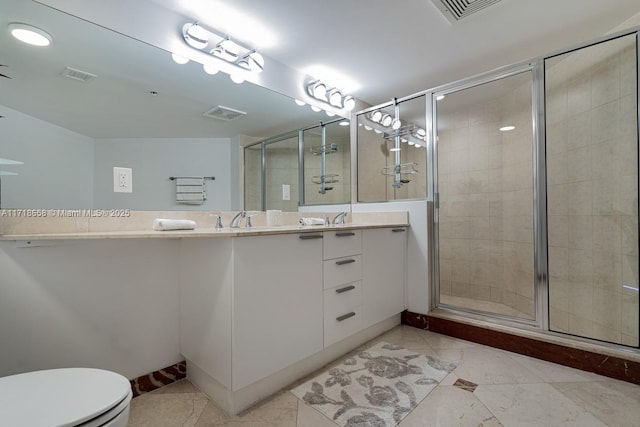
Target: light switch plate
(122, 180)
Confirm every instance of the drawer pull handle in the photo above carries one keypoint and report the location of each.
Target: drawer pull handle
(345, 234)
(345, 289)
(345, 261)
(345, 316)
(398, 230)
(310, 236)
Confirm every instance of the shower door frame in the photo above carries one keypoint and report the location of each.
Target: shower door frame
(540, 282)
(541, 271)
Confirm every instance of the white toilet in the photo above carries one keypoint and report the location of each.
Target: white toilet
(78, 397)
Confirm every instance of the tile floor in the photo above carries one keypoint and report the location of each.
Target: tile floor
(489, 387)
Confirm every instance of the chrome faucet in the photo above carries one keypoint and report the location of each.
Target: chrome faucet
(235, 222)
(339, 219)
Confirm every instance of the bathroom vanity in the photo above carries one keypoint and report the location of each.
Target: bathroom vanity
(255, 308)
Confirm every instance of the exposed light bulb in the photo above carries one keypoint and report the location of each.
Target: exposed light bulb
(377, 130)
(210, 69)
(396, 124)
(349, 103)
(300, 103)
(237, 78)
(330, 113)
(256, 62)
(316, 109)
(386, 120)
(376, 116)
(195, 36)
(179, 59)
(335, 98)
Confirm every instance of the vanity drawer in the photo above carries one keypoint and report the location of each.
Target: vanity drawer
(342, 298)
(339, 326)
(342, 270)
(341, 243)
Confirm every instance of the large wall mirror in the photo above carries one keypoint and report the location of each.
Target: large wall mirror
(96, 99)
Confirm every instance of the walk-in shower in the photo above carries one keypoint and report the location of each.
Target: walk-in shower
(535, 183)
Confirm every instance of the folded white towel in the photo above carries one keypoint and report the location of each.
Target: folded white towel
(160, 224)
(311, 221)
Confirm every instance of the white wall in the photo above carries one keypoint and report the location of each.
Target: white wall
(58, 164)
(110, 304)
(153, 161)
(417, 251)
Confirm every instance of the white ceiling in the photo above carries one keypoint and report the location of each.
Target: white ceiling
(390, 48)
(395, 48)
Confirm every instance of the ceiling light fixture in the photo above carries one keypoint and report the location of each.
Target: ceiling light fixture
(29, 34)
(331, 95)
(221, 47)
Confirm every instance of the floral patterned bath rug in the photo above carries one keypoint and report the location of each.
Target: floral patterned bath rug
(377, 387)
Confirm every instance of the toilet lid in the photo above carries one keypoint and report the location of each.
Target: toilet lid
(59, 397)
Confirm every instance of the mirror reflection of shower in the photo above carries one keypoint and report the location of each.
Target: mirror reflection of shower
(391, 151)
(322, 150)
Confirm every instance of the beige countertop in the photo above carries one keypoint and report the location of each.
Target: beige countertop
(138, 225)
(198, 232)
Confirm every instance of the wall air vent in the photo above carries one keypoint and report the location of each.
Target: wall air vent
(224, 113)
(78, 75)
(455, 10)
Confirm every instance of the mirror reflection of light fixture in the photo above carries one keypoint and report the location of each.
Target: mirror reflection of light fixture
(29, 34)
(439, 97)
(220, 47)
(333, 96)
(507, 128)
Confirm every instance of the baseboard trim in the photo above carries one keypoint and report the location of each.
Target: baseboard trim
(591, 361)
(160, 378)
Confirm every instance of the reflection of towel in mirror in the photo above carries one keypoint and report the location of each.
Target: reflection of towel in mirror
(311, 221)
(160, 224)
(190, 191)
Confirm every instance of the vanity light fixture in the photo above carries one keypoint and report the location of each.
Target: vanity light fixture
(331, 95)
(223, 48)
(29, 34)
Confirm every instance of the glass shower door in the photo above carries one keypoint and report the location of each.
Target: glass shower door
(485, 213)
(592, 191)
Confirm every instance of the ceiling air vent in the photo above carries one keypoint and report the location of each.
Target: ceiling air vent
(224, 113)
(78, 75)
(455, 10)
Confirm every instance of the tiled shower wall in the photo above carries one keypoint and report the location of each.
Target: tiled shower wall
(486, 198)
(592, 191)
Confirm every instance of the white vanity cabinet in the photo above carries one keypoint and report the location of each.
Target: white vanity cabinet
(250, 306)
(255, 311)
(342, 284)
(277, 303)
(384, 271)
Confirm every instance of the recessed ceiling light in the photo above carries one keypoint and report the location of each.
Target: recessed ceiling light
(30, 34)
(507, 128)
